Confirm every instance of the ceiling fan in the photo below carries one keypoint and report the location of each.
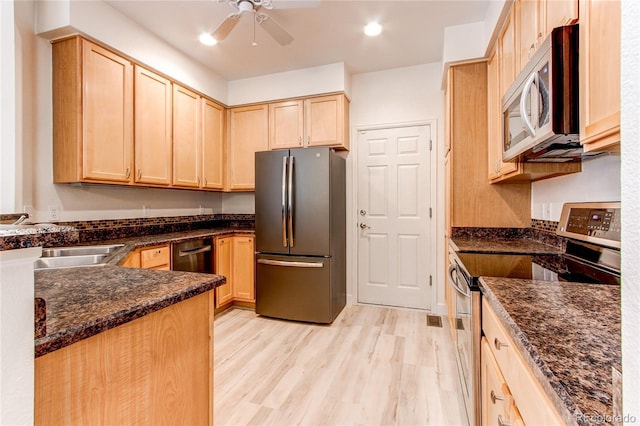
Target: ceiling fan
(253, 8)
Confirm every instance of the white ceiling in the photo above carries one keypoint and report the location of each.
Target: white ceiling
(328, 33)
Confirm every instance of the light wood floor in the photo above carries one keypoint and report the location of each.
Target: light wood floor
(372, 366)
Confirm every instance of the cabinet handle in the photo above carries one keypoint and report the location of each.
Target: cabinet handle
(139, 174)
(308, 139)
(495, 397)
(501, 422)
(498, 344)
(198, 180)
(299, 140)
(205, 181)
(128, 172)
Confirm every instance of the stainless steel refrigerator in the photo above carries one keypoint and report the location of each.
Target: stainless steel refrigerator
(300, 234)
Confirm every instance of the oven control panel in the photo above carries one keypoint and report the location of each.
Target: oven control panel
(594, 222)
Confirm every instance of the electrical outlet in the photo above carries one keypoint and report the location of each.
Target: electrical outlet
(201, 209)
(145, 211)
(53, 213)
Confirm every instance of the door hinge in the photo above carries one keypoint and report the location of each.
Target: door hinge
(430, 281)
(430, 145)
(430, 212)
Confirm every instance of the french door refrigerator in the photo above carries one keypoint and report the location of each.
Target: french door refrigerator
(300, 234)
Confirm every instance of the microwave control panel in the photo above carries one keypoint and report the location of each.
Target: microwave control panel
(595, 222)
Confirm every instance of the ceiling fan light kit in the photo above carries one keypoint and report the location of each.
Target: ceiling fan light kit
(252, 7)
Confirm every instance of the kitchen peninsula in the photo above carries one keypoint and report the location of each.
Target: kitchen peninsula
(139, 341)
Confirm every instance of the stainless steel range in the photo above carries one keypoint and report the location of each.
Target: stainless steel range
(592, 255)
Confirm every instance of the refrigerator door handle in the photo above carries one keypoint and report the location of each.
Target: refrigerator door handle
(291, 264)
(290, 200)
(284, 201)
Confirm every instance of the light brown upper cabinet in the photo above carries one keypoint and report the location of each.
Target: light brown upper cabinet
(317, 121)
(507, 62)
(496, 168)
(473, 201)
(501, 73)
(536, 20)
(248, 134)
(187, 133)
(286, 124)
(212, 145)
(600, 75)
(326, 121)
(152, 128)
(92, 114)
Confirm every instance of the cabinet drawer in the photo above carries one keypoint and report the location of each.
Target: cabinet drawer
(532, 402)
(155, 257)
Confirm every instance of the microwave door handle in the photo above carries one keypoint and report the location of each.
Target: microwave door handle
(544, 98)
(526, 92)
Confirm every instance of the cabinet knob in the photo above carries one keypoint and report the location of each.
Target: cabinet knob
(498, 344)
(495, 397)
(501, 422)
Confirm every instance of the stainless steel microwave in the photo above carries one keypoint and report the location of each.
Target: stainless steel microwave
(540, 111)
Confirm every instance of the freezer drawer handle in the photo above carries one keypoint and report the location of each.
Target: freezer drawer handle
(291, 264)
(193, 251)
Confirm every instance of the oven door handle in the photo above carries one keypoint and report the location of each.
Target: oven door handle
(454, 282)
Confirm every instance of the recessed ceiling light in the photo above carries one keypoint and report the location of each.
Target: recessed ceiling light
(207, 39)
(372, 29)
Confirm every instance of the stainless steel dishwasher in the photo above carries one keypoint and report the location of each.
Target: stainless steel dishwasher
(193, 256)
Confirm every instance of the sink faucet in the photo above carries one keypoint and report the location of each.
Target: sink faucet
(20, 220)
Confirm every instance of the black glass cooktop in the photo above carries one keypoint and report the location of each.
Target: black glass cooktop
(544, 267)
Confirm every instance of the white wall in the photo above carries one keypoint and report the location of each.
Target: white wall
(290, 84)
(598, 181)
(7, 108)
(402, 95)
(33, 103)
(630, 129)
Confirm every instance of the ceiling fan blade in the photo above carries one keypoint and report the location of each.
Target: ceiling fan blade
(226, 26)
(278, 33)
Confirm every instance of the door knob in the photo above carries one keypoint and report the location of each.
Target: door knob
(364, 226)
(363, 212)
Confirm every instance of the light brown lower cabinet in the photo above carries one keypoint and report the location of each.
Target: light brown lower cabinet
(509, 387)
(158, 257)
(155, 370)
(234, 258)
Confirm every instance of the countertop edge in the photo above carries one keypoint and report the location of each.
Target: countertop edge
(556, 392)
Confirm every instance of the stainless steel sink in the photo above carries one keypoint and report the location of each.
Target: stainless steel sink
(71, 257)
(80, 250)
(69, 261)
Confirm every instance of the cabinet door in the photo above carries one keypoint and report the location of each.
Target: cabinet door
(495, 396)
(286, 124)
(528, 27)
(507, 59)
(186, 137)
(326, 121)
(107, 111)
(152, 128)
(224, 266)
(212, 143)
(600, 75)
(496, 167)
(558, 13)
(243, 268)
(248, 133)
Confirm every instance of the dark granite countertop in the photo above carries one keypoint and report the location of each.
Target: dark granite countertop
(81, 302)
(570, 336)
(502, 245)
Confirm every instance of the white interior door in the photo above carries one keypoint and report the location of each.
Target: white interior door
(393, 216)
